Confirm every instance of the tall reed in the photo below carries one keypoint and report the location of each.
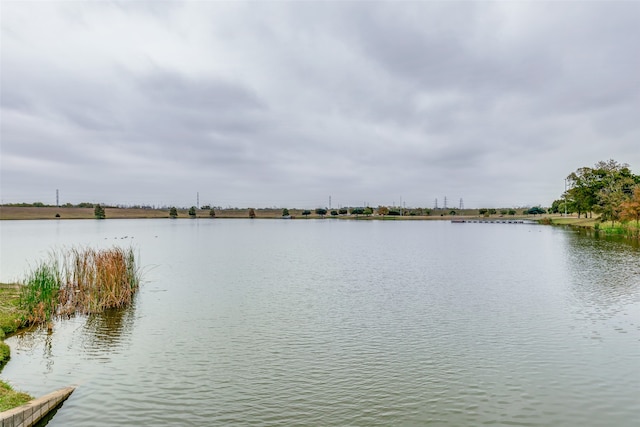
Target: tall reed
(82, 280)
(40, 293)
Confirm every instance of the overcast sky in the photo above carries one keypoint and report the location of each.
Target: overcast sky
(257, 104)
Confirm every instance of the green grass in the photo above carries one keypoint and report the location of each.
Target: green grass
(10, 321)
(9, 398)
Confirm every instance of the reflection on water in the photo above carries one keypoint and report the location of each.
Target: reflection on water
(351, 323)
(107, 333)
(100, 336)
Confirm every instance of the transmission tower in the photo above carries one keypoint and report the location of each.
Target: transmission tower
(461, 204)
(445, 202)
(435, 205)
(57, 198)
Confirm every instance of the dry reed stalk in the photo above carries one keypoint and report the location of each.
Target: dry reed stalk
(88, 281)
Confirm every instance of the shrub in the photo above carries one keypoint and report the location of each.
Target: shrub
(99, 213)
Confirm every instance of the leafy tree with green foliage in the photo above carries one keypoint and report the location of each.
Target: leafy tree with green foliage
(536, 210)
(512, 211)
(357, 211)
(212, 213)
(492, 211)
(321, 211)
(205, 207)
(594, 189)
(173, 212)
(306, 213)
(368, 211)
(285, 212)
(192, 211)
(99, 212)
(334, 213)
(483, 211)
(343, 211)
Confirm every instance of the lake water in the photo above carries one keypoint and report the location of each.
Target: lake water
(334, 323)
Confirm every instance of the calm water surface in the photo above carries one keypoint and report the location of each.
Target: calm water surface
(324, 322)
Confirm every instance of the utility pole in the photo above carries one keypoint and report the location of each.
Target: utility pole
(435, 206)
(58, 198)
(445, 202)
(329, 202)
(198, 200)
(461, 204)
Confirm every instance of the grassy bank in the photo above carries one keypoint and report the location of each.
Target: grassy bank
(629, 229)
(10, 321)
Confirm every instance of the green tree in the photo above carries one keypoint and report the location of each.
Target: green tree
(367, 211)
(334, 213)
(306, 213)
(343, 211)
(212, 213)
(285, 212)
(512, 211)
(173, 212)
(590, 188)
(321, 211)
(483, 211)
(492, 211)
(192, 211)
(536, 210)
(99, 212)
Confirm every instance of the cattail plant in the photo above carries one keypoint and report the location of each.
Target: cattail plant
(81, 280)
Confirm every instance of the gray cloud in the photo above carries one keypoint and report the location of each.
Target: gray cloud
(287, 103)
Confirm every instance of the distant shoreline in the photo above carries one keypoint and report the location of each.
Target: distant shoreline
(49, 212)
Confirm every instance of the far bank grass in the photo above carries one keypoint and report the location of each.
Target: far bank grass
(10, 322)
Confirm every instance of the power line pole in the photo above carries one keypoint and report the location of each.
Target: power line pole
(57, 198)
(329, 202)
(461, 204)
(435, 205)
(198, 200)
(445, 202)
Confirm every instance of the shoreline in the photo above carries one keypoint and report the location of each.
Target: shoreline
(9, 324)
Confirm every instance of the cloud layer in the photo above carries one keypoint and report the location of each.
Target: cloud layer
(286, 104)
